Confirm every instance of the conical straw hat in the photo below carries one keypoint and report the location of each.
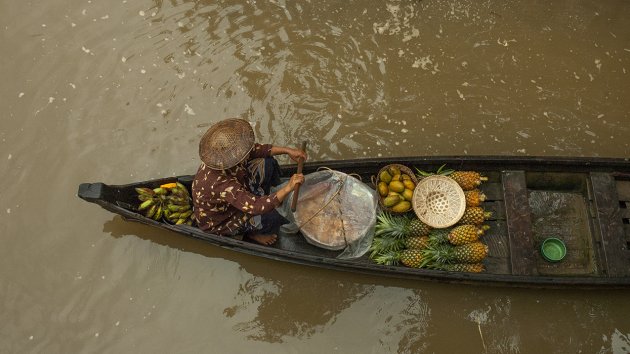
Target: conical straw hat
(226, 143)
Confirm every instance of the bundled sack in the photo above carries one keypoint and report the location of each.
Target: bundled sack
(334, 211)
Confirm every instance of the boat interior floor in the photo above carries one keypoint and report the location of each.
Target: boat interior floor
(588, 211)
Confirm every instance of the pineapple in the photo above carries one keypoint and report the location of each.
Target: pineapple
(401, 227)
(417, 242)
(388, 225)
(474, 197)
(474, 216)
(462, 267)
(473, 252)
(409, 257)
(468, 180)
(439, 236)
(388, 258)
(465, 234)
(418, 228)
(381, 245)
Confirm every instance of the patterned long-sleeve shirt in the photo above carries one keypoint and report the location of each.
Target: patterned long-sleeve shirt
(222, 200)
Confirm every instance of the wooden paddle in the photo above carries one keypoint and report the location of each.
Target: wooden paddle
(296, 190)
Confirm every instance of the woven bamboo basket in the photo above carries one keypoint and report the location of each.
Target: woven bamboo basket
(439, 201)
(403, 169)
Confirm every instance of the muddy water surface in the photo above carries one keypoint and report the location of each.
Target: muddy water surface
(120, 91)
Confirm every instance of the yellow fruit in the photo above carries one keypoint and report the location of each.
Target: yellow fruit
(382, 189)
(407, 194)
(396, 186)
(409, 184)
(474, 197)
(394, 170)
(401, 207)
(391, 200)
(411, 258)
(405, 177)
(396, 177)
(468, 179)
(385, 177)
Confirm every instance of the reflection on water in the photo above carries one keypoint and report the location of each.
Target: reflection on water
(279, 64)
(312, 302)
(461, 76)
(492, 323)
(272, 302)
(297, 310)
(620, 342)
(273, 309)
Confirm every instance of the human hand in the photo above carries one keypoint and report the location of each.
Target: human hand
(296, 179)
(296, 154)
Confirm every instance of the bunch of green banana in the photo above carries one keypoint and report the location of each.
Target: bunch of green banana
(178, 206)
(153, 201)
(170, 201)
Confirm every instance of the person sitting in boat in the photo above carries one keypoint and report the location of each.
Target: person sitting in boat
(231, 189)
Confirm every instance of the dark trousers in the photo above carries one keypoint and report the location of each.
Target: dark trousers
(264, 174)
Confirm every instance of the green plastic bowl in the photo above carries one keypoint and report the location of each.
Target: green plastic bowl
(553, 249)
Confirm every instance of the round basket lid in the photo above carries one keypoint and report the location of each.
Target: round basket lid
(439, 201)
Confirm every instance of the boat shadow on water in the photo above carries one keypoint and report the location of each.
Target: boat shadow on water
(296, 301)
(295, 307)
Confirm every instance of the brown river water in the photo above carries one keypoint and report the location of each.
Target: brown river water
(121, 91)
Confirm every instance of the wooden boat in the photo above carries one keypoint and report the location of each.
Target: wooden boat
(583, 201)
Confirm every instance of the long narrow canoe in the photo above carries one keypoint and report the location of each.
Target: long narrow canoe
(583, 201)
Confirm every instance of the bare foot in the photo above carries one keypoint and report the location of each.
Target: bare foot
(265, 240)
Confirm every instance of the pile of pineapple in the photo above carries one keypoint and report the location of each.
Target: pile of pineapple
(406, 239)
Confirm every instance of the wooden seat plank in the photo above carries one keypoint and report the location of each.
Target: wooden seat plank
(610, 224)
(492, 190)
(519, 224)
(623, 189)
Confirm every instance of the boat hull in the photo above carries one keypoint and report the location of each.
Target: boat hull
(599, 258)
